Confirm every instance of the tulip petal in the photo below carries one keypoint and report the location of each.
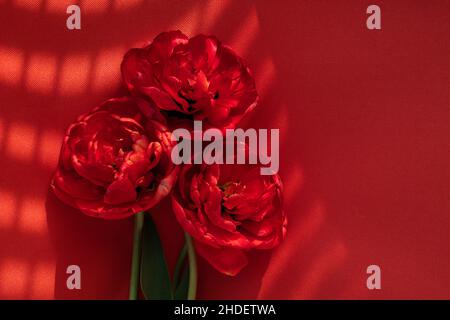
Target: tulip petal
(120, 191)
(226, 260)
(160, 98)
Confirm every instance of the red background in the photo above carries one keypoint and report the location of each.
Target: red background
(364, 143)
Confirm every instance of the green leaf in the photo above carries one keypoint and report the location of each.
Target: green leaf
(181, 276)
(179, 266)
(155, 279)
(181, 293)
(192, 289)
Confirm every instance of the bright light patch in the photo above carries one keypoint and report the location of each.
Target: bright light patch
(41, 73)
(11, 65)
(74, 74)
(188, 23)
(32, 216)
(213, 11)
(49, 146)
(247, 32)
(43, 281)
(14, 275)
(8, 204)
(106, 72)
(97, 6)
(21, 141)
(58, 6)
(28, 4)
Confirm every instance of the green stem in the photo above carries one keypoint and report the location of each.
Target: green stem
(192, 290)
(136, 258)
(179, 266)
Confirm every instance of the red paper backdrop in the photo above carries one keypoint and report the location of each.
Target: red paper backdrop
(364, 143)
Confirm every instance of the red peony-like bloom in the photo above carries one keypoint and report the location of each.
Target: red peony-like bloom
(197, 78)
(115, 162)
(228, 210)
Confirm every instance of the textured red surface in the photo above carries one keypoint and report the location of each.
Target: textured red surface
(364, 143)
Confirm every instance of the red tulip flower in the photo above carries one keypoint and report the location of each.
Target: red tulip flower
(115, 162)
(197, 79)
(229, 210)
